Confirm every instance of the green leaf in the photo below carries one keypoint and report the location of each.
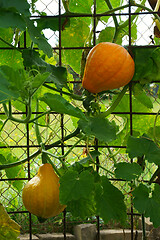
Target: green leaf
(91, 156)
(38, 80)
(53, 23)
(141, 96)
(99, 127)
(74, 186)
(22, 6)
(58, 74)
(75, 36)
(109, 202)
(141, 198)
(153, 209)
(80, 6)
(38, 38)
(9, 229)
(147, 64)
(81, 208)
(146, 204)
(107, 35)
(128, 171)
(11, 58)
(137, 147)
(7, 35)
(101, 6)
(58, 104)
(7, 75)
(16, 172)
(11, 19)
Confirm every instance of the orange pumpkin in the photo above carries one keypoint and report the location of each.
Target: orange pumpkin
(108, 66)
(41, 194)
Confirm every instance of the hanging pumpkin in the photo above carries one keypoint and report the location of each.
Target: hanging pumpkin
(108, 66)
(41, 194)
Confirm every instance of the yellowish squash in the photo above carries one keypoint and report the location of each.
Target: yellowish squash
(41, 194)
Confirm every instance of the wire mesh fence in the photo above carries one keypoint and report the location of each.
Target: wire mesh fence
(22, 141)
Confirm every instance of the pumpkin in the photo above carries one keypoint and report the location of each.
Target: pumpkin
(108, 66)
(41, 194)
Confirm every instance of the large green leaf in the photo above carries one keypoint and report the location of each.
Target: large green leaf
(9, 229)
(147, 203)
(38, 38)
(60, 105)
(141, 198)
(109, 202)
(128, 171)
(53, 23)
(147, 64)
(58, 74)
(75, 36)
(22, 6)
(153, 209)
(75, 186)
(137, 147)
(12, 12)
(99, 127)
(82, 208)
(16, 83)
(11, 19)
(141, 95)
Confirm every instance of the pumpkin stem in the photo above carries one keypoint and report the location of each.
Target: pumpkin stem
(41, 220)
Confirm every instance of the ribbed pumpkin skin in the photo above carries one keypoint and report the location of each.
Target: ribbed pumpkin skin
(108, 66)
(41, 194)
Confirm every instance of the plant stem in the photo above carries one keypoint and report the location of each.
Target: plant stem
(154, 175)
(114, 19)
(59, 158)
(115, 103)
(143, 228)
(4, 124)
(74, 96)
(140, 7)
(36, 127)
(76, 132)
(154, 128)
(10, 45)
(6, 110)
(71, 148)
(9, 113)
(105, 169)
(41, 115)
(4, 166)
(114, 16)
(55, 169)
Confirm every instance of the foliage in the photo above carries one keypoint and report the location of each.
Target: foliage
(9, 229)
(32, 78)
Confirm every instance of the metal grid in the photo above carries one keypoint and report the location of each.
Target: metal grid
(23, 143)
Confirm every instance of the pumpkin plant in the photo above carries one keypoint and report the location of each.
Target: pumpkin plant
(83, 185)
